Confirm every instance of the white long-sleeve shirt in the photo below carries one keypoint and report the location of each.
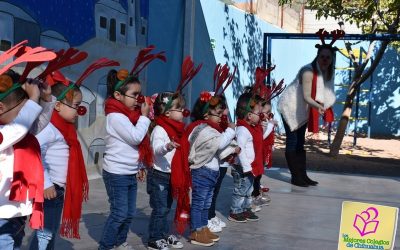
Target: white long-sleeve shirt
(122, 141)
(245, 142)
(162, 156)
(224, 140)
(267, 127)
(55, 155)
(12, 134)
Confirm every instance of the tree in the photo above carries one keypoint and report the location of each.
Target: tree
(373, 16)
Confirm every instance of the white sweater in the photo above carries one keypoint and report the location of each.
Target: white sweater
(55, 155)
(122, 141)
(245, 142)
(12, 134)
(198, 147)
(162, 157)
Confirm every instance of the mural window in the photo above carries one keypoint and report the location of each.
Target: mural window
(113, 30)
(103, 22)
(123, 29)
(5, 45)
(130, 21)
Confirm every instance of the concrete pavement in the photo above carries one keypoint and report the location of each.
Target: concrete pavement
(297, 218)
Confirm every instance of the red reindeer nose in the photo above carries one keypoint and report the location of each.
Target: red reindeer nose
(82, 110)
(186, 113)
(140, 99)
(270, 115)
(262, 116)
(1, 137)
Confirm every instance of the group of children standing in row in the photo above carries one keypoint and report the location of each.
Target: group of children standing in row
(45, 177)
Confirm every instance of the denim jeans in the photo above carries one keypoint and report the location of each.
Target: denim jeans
(159, 189)
(295, 139)
(203, 182)
(211, 211)
(12, 232)
(121, 191)
(44, 239)
(242, 189)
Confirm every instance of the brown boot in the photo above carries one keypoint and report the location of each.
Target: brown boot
(200, 238)
(210, 234)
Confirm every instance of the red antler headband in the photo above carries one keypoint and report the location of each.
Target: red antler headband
(336, 34)
(143, 58)
(267, 92)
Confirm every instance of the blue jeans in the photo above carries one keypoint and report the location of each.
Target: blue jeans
(242, 189)
(295, 139)
(203, 183)
(121, 191)
(211, 211)
(44, 239)
(11, 233)
(159, 189)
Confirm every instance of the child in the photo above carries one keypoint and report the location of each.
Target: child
(127, 150)
(165, 141)
(20, 183)
(64, 167)
(206, 138)
(248, 135)
(165, 178)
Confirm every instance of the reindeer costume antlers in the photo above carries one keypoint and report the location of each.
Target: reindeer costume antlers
(336, 34)
(142, 60)
(267, 92)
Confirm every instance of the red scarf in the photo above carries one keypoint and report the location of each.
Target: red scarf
(268, 143)
(257, 134)
(28, 178)
(145, 152)
(313, 119)
(77, 185)
(180, 175)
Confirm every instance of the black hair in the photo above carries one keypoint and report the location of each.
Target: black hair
(332, 66)
(112, 80)
(159, 104)
(200, 109)
(18, 94)
(58, 88)
(245, 101)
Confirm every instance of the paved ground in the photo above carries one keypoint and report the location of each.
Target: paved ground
(298, 218)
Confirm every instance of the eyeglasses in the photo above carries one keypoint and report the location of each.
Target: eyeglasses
(185, 112)
(140, 98)
(261, 115)
(80, 109)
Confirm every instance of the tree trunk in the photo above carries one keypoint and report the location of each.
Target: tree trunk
(344, 120)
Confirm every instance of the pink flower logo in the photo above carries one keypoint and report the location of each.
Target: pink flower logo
(366, 222)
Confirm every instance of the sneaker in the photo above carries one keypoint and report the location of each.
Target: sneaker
(265, 197)
(219, 222)
(255, 208)
(173, 241)
(124, 246)
(258, 201)
(158, 245)
(237, 217)
(200, 238)
(210, 234)
(213, 226)
(250, 216)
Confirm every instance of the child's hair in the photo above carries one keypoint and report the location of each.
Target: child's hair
(160, 104)
(112, 81)
(6, 82)
(58, 88)
(201, 108)
(245, 104)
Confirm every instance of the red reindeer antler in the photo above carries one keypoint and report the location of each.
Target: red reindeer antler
(274, 91)
(100, 63)
(221, 75)
(12, 51)
(260, 75)
(188, 72)
(38, 54)
(322, 33)
(144, 58)
(336, 34)
(64, 59)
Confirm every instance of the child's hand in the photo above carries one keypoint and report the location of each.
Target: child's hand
(237, 150)
(145, 108)
(45, 92)
(232, 125)
(32, 90)
(171, 145)
(141, 175)
(275, 122)
(50, 193)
